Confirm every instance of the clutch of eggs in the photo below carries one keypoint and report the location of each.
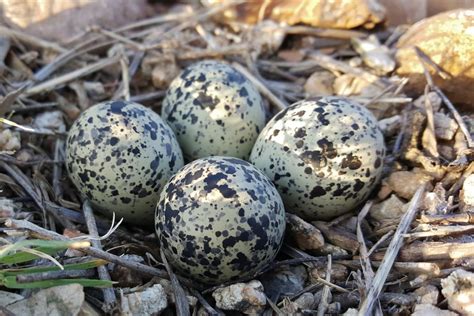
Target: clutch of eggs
(214, 110)
(220, 219)
(324, 156)
(119, 155)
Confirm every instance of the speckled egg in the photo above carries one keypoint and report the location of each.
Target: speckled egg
(324, 155)
(120, 155)
(220, 219)
(213, 110)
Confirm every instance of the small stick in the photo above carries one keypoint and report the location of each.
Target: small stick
(125, 77)
(440, 231)
(118, 37)
(392, 252)
(148, 96)
(181, 302)
(32, 40)
(57, 169)
(323, 304)
(433, 144)
(54, 275)
(84, 71)
(323, 32)
(379, 242)
(280, 104)
(459, 218)
(211, 310)
(109, 295)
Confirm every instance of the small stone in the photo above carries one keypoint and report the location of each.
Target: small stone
(339, 272)
(192, 300)
(445, 127)
(58, 300)
(405, 183)
(151, 301)
(390, 125)
(286, 281)
(320, 83)
(9, 141)
(7, 208)
(50, 120)
(467, 193)
(95, 90)
(458, 288)
(163, 73)
(434, 98)
(435, 202)
(306, 236)
(306, 301)
(428, 309)
(427, 294)
(125, 276)
(391, 208)
(351, 312)
(348, 84)
(247, 298)
(7, 298)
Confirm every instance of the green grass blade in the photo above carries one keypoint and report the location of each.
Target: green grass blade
(74, 266)
(10, 282)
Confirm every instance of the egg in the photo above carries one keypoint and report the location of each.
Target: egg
(214, 111)
(220, 219)
(324, 155)
(119, 155)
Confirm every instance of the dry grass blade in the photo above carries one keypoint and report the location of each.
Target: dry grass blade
(32, 40)
(391, 254)
(280, 105)
(323, 304)
(181, 302)
(63, 79)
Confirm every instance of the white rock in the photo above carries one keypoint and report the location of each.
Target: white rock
(247, 298)
(306, 301)
(445, 127)
(458, 288)
(428, 309)
(351, 312)
(152, 301)
(320, 84)
(427, 295)
(468, 191)
(7, 298)
(433, 97)
(9, 141)
(50, 120)
(55, 301)
(391, 208)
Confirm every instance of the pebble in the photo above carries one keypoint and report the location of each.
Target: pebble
(467, 195)
(286, 281)
(320, 83)
(458, 289)
(247, 298)
(405, 183)
(9, 141)
(445, 127)
(434, 98)
(151, 301)
(306, 301)
(391, 208)
(428, 309)
(427, 294)
(306, 236)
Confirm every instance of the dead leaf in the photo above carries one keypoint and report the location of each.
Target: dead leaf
(319, 13)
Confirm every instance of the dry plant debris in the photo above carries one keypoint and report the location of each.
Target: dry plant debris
(407, 250)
